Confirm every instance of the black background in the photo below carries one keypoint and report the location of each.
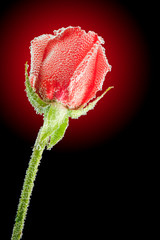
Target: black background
(94, 191)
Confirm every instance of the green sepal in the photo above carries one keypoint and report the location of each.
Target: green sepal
(55, 124)
(39, 105)
(83, 111)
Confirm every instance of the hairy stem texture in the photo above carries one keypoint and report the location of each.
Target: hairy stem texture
(28, 187)
(52, 131)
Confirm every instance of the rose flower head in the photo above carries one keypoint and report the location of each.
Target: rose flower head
(68, 67)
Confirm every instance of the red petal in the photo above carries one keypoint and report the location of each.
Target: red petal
(62, 56)
(101, 69)
(37, 48)
(88, 77)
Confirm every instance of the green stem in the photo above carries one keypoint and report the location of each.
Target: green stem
(52, 131)
(28, 186)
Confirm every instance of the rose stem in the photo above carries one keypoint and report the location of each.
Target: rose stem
(28, 187)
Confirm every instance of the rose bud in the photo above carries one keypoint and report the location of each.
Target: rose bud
(68, 67)
(67, 70)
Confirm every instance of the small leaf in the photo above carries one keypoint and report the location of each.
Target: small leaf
(58, 134)
(53, 120)
(39, 105)
(83, 111)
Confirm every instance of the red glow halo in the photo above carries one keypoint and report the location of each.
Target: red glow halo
(126, 50)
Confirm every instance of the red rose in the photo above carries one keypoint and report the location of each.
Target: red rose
(68, 67)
